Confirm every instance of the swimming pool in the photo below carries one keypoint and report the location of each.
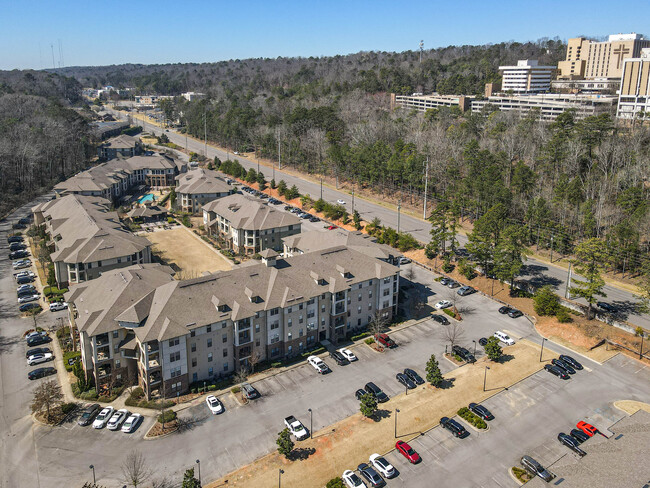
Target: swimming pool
(149, 197)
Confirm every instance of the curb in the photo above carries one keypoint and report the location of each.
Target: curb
(476, 429)
(514, 477)
(147, 437)
(573, 350)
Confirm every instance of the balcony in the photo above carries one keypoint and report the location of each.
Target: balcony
(153, 363)
(104, 354)
(339, 308)
(101, 340)
(155, 378)
(104, 371)
(151, 348)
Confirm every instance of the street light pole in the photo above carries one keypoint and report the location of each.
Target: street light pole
(542, 350)
(198, 462)
(396, 412)
(92, 466)
(280, 473)
(353, 197)
(399, 208)
(474, 347)
(321, 187)
(485, 377)
(311, 423)
(552, 238)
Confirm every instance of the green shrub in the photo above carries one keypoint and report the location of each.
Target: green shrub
(521, 474)
(70, 355)
(472, 418)
(66, 408)
(212, 387)
(335, 483)
(193, 390)
(369, 340)
(563, 316)
(167, 416)
(449, 312)
(277, 364)
(313, 352)
(236, 389)
(359, 336)
(170, 220)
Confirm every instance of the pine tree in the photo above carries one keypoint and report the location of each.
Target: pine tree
(493, 349)
(284, 442)
(434, 376)
(591, 256)
(368, 405)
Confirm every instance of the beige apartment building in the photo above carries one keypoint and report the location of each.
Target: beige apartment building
(140, 323)
(587, 59)
(123, 146)
(198, 187)
(634, 94)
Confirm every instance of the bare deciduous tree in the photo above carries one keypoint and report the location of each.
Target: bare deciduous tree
(254, 360)
(241, 376)
(46, 397)
(135, 470)
(377, 324)
(453, 334)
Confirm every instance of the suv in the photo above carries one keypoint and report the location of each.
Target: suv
(385, 340)
(454, 427)
(375, 391)
(535, 468)
(249, 392)
(88, 415)
(369, 473)
(464, 354)
(340, 359)
(465, 290)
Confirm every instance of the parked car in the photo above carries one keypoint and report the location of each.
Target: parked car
(288, 208)
(563, 366)
(26, 293)
(25, 308)
(454, 427)
(332, 227)
(25, 274)
(313, 218)
(340, 201)
(405, 380)
(441, 319)
(385, 340)
(18, 225)
(463, 353)
(37, 350)
(318, 364)
(505, 338)
(16, 238)
(249, 392)
(26, 288)
(607, 307)
(579, 436)
(571, 443)
(377, 392)
(41, 373)
(372, 476)
(404, 260)
(29, 298)
(117, 419)
(35, 333)
(22, 280)
(482, 341)
(408, 452)
(359, 393)
(465, 290)
(214, 404)
(17, 246)
(556, 371)
(481, 411)
(442, 304)
(453, 284)
(352, 479)
(56, 306)
(88, 415)
(414, 377)
(37, 340)
(571, 362)
(535, 468)
(18, 254)
(103, 417)
(513, 313)
(588, 429)
(384, 467)
(296, 428)
(43, 357)
(504, 310)
(444, 281)
(339, 358)
(348, 354)
(23, 263)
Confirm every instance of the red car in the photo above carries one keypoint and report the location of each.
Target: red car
(332, 227)
(385, 340)
(588, 429)
(407, 451)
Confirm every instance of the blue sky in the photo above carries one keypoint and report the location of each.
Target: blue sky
(162, 31)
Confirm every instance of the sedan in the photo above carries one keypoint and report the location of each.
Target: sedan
(37, 340)
(588, 429)
(131, 424)
(23, 263)
(103, 418)
(535, 468)
(352, 479)
(441, 319)
(607, 307)
(359, 393)
(348, 354)
(579, 435)
(340, 201)
(454, 427)
(118, 419)
(453, 284)
(563, 366)
(40, 373)
(482, 341)
(556, 371)
(26, 288)
(571, 443)
(444, 281)
(481, 411)
(37, 350)
(513, 313)
(339, 358)
(18, 254)
(16, 238)
(56, 306)
(465, 290)
(36, 333)
(504, 310)
(408, 452)
(405, 380)
(414, 377)
(88, 415)
(313, 218)
(571, 362)
(214, 404)
(40, 358)
(29, 298)
(369, 473)
(384, 467)
(442, 304)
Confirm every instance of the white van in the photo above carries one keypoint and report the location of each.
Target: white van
(503, 337)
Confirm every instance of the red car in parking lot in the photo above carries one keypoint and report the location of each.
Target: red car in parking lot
(407, 451)
(385, 340)
(588, 429)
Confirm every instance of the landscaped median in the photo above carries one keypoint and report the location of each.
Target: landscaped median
(347, 443)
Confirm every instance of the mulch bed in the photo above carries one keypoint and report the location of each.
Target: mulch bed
(157, 429)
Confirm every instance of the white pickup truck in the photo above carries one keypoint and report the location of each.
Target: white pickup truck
(318, 364)
(296, 428)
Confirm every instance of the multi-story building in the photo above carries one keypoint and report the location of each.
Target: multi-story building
(423, 103)
(606, 86)
(587, 59)
(173, 333)
(191, 96)
(249, 225)
(114, 179)
(87, 238)
(122, 146)
(528, 76)
(198, 187)
(634, 91)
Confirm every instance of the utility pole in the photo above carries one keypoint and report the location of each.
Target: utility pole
(205, 133)
(352, 197)
(568, 283)
(552, 237)
(399, 207)
(421, 49)
(258, 159)
(426, 186)
(279, 155)
(321, 187)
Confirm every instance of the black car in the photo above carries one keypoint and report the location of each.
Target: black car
(535, 468)
(375, 391)
(607, 307)
(482, 341)
(563, 366)
(513, 313)
(25, 220)
(339, 358)
(26, 292)
(571, 443)
(359, 393)
(314, 219)
(556, 371)
(23, 280)
(38, 340)
(579, 436)
(25, 307)
(405, 380)
(454, 427)
(481, 411)
(463, 353)
(415, 378)
(18, 254)
(571, 362)
(504, 310)
(441, 319)
(17, 246)
(89, 414)
(369, 473)
(14, 239)
(37, 350)
(18, 225)
(288, 207)
(41, 373)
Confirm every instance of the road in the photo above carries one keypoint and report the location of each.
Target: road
(541, 273)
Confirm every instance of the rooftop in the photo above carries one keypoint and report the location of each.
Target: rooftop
(202, 181)
(315, 240)
(248, 213)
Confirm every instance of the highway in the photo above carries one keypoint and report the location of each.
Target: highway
(539, 272)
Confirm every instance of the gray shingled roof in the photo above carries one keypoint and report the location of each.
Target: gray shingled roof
(248, 213)
(122, 141)
(316, 240)
(201, 181)
(146, 211)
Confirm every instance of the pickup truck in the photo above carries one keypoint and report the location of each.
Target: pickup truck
(296, 428)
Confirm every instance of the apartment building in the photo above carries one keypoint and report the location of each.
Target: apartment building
(87, 239)
(122, 146)
(115, 179)
(200, 186)
(192, 96)
(249, 225)
(173, 333)
(587, 59)
(528, 76)
(634, 91)
(425, 102)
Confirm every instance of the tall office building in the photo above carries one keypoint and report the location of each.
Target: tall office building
(527, 77)
(634, 95)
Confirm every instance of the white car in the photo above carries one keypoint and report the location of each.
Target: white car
(102, 419)
(384, 467)
(505, 338)
(214, 404)
(318, 364)
(23, 263)
(25, 287)
(40, 358)
(404, 260)
(352, 480)
(347, 354)
(25, 274)
(56, 306)
(443, 304)
(340, 202)
(29, 298)
(132, 423)
(118, 419)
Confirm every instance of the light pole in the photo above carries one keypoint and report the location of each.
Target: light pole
(552, 238)
(352, 197)
(396, 412)
(641, 350)
(280, 473)
(399, 208)
(198, 463)
(92, 466)
(485, 377)
(474, 347)
(406, 390)
(321, 187)
(311, 423)
(542, 350)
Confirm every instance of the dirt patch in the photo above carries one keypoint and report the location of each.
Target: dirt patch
(157, 429)
(631, 406)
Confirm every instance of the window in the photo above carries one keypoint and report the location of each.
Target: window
(289, 335)
(117, 363)
(192, 333)
(370, 306)
(209, 342)
(116, 347)
(289, 349)
(174, 342)
(289, 322)
(275, 311)
(275, 325)
(118, 377)
(386, 304)
(210, 372)
(358, 322)
(311, 301)
(208, 328)
(175, 356)
(322, 308)
(300, 333)
(225, 353)
(289, 310)
(195, 377)
(359, 298)
(300, 306)
(209, 357)
(387, 292)
(194, 362)
(116, 334)
(257, 343)
(193, 347)
(359, 309)
(257, 328)
(369, 293)
(224, 338)
(223, 324)
(225, 366)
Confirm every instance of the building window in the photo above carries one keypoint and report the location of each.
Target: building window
(224, 338)
(116, 334)
(369, 293)
(209, 342)
(225, 353)
(208, 328)
(195, 377)
(193, 347)
(175, 356)
(300, 306)
(359, 298)
(300, 333)
(209, 357)
(210, 372)
(117, 363)
(257, 343)
(192, 333)
(223, 324)
(322, 308)
(289, 335)
(289, 310)
(257, 328)
(225, 366)
(194, 362)
(358, 322)
(359, 309)
(289, 349)
(289, 322)
(275, 311)
(174, 342)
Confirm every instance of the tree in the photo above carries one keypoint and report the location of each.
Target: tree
(434, 376)
(356, 218)
(443, 227)
(335, 483)
(254, 360)
(368, 405)
(47, 396)
(545, 301)
(493, 349)
(282, 187)
(240, 376)
(591, 256)
(377, 324)
(273, 185)
(251, 176)
(284, 442)
(453, 334)
(134, 469)
(172, 198)
(189, 481)
(510, 253)
(644, 287)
